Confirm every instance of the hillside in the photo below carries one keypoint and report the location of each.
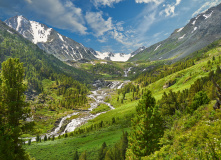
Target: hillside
(65, 101)
(198, 33)
(180, 122)
(53, 87)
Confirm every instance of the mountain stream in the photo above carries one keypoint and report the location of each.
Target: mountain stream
(98, 96)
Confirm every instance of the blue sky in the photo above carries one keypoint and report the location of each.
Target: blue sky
(109, 25)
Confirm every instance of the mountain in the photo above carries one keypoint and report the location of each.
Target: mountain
(49, 40)
(112, 56)
(137, 51)
(198, 33)
(39, 65)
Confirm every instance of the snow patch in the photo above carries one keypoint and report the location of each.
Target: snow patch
(181, 37)
(157, 47)
(119, 57)
(10, 32)
(179, 30)
(61, 37)
(207, 15)
(19, 19)
(40, 34)
(195, 28)
(194, 22)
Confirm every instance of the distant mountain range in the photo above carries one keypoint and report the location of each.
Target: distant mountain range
(56, 44)
(198, 33)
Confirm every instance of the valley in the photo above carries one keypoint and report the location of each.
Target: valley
(61, 100)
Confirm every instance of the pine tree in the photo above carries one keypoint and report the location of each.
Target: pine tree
(146, 127)
(29, 142)
(13, 109)
(76, 156)
(123, 145)
(45, 138)
(83, 156)
(53, 138)
(102, 151)
(37, 138)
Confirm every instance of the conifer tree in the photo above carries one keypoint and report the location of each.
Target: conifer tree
(76, 156)
(147, 128)
(123, 145)
(29, 142)
(102, 151)
(37, 138)
(53, 138)
(13, 110)
(83, 156)
(45, 138)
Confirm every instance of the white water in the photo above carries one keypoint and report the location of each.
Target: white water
(99, 97)
(127, 71)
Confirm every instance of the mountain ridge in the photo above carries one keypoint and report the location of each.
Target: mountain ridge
(198, 33)
(54, 43)
(50, 40)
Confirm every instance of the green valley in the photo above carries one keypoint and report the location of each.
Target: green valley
(60, 100)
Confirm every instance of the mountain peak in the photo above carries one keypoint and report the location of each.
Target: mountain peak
(49, 40)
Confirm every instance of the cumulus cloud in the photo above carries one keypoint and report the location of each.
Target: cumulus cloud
(177, 2)
(205, 6)
(105, 29)
(105, 2)
(98, 24)
(170, 9)
(60, 14)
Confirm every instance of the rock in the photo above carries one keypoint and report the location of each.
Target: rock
(169, 84)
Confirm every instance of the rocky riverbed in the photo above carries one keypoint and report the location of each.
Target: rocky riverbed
(62, 125)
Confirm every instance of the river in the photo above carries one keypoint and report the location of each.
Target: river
(98, 96)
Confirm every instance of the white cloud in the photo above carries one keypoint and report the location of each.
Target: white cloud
(98, 24)
(170, 9)
(103, 39)
(105, 2)
(29, 1)
(60, 14)
(150, 1)
(205, 6)
(120, 37)
(146, 18)
(178, 2)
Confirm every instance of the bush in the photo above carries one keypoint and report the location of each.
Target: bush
(199, 99)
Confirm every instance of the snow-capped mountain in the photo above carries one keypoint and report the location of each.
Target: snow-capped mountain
(112, 56)
(49, 40)
(198, 33)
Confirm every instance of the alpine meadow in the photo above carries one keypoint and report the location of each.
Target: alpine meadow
(110, 80)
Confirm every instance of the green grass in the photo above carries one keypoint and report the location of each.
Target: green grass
(100, 108)
(63, 149)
